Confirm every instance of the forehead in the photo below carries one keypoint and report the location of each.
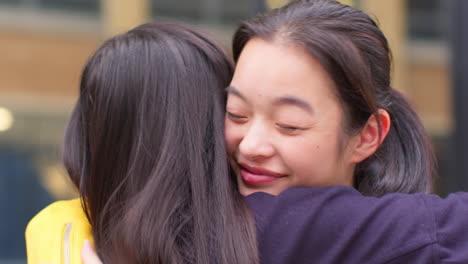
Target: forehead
(278, 67)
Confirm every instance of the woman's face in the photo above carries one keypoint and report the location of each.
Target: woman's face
(284, 122)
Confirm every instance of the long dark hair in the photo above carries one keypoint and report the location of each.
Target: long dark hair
(355, 53)
(145, 147)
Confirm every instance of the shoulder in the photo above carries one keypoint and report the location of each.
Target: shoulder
(60, 226)
(57, 213)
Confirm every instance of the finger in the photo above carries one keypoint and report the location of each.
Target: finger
(88, 255)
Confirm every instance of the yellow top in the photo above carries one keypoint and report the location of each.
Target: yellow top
(57, 233)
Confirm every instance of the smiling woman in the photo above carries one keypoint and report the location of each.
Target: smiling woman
(311, 104)
(284, 129)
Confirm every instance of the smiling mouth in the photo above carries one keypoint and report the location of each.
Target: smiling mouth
(254, 176)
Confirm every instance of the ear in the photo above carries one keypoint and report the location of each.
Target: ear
(369, 139)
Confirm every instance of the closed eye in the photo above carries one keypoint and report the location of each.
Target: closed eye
(235, 117)
(288, 128)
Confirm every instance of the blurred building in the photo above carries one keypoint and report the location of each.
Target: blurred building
(44, 44)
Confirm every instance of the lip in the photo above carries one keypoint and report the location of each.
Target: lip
(256, 175)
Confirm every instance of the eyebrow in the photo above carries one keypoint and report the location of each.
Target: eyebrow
(292, 100)
(233, 90)
(286, 100)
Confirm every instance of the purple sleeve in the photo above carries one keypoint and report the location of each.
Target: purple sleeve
(339, 225)
(451, 220)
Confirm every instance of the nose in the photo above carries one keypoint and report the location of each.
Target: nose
(257, 144)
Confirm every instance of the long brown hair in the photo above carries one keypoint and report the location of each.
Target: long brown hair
(355, 53)
(145, 147)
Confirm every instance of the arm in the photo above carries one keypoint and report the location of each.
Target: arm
(339, 225)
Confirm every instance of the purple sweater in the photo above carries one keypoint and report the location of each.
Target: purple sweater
(339, 225)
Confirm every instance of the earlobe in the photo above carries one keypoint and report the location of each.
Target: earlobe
(370, 138)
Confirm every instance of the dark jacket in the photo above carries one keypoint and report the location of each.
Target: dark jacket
(339, 225)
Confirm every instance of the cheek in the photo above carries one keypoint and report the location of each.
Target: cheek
(313, 161)
(304, 156)
(231, 136)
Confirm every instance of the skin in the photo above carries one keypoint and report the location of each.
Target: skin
(88, 254)
(284, 122)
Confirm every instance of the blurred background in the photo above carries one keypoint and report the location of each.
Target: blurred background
(44, 44)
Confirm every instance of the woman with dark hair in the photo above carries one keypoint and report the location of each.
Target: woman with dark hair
(311, 104)
(323, 112)
(145, 148)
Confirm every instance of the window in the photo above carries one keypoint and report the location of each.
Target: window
(75, 5)
(201, 11)
(427, 19)
(89, 6)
